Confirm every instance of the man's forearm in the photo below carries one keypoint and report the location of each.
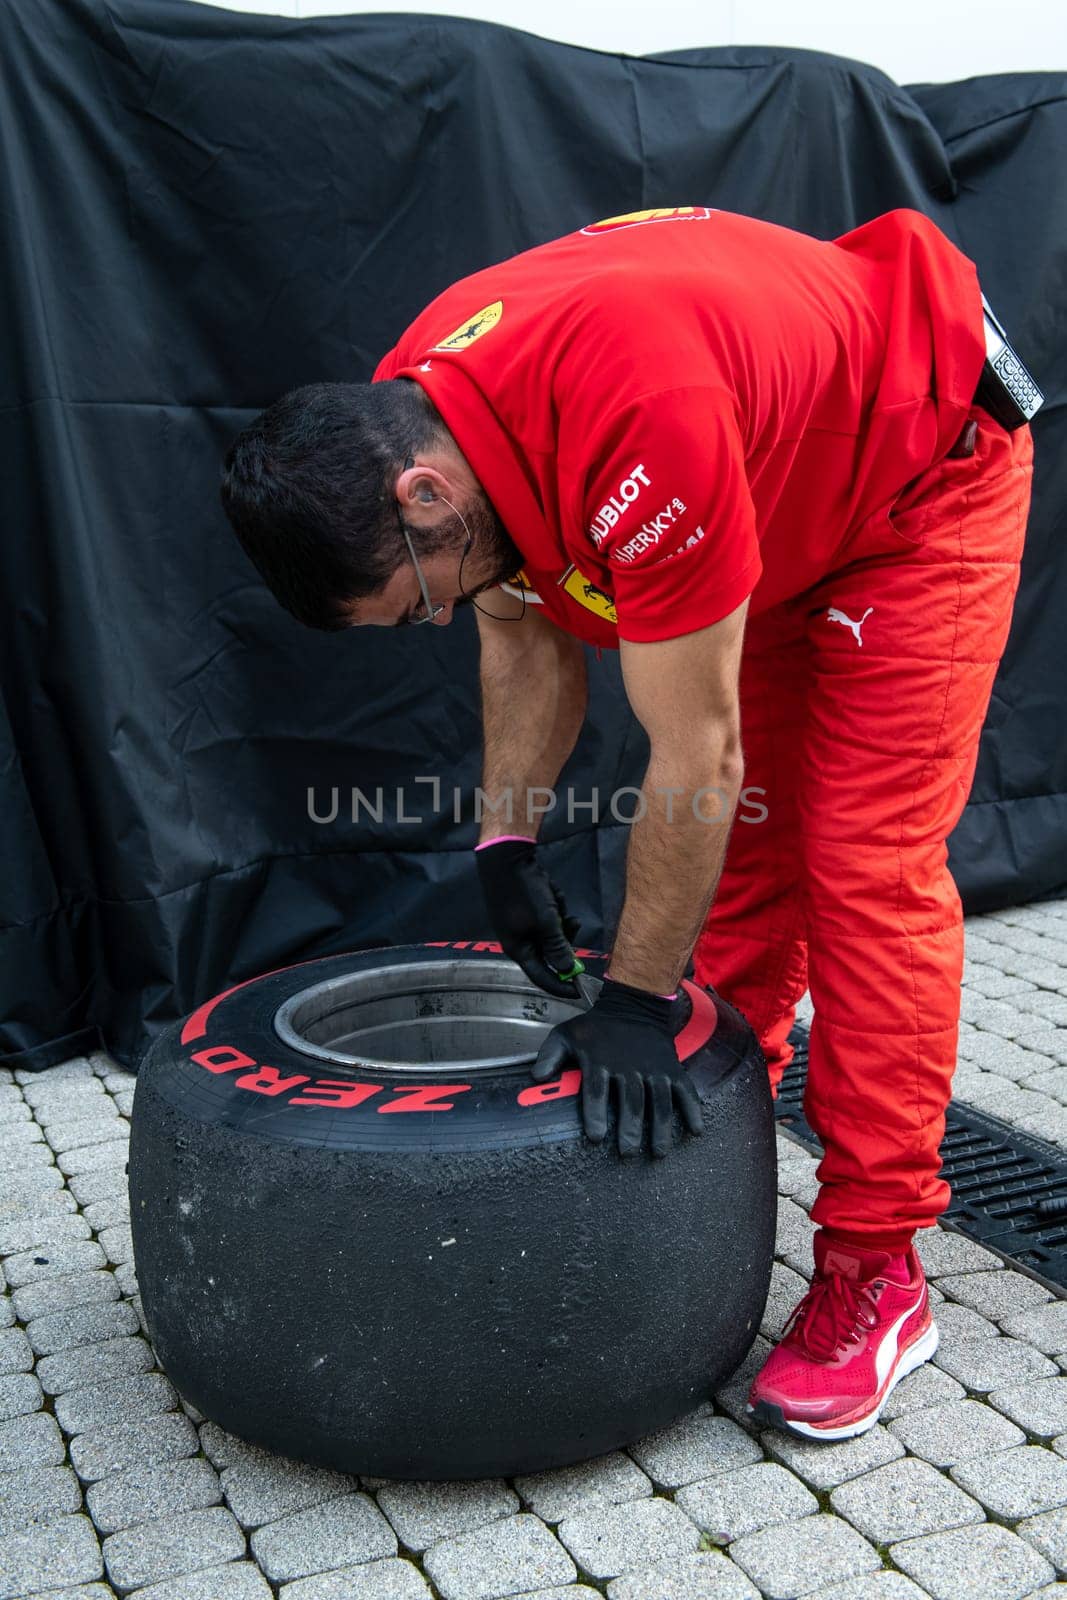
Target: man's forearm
(673, 864)
(534, 696)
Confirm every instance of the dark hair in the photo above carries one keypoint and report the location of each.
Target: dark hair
(309, 488)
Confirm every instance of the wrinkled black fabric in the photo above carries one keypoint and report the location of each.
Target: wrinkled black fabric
(203, 209)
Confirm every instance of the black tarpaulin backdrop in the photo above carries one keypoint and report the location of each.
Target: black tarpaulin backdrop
(204, 209)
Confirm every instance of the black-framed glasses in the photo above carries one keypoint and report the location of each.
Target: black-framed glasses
(429, 608)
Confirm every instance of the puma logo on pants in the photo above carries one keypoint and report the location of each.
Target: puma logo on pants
(833, 615)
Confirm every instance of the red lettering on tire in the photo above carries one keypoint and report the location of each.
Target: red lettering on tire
(425, 1098)
(268, 1080)
(335, 1092)
(568, 1083)
(222, 1058)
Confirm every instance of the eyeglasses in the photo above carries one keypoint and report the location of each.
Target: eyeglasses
(429, 609)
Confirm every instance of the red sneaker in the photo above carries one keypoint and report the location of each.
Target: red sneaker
(862, 1326)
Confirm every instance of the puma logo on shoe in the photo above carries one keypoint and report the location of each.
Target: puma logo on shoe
(845, 1266)
(834, 615)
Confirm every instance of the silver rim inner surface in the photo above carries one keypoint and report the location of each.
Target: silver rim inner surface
(438, 1015)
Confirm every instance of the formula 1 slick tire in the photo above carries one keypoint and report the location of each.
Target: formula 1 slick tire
(364, 1237)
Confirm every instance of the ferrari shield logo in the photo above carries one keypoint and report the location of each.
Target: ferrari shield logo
(474, 328)
(588, 595)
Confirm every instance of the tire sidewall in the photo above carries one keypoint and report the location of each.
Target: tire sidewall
(227, 1064)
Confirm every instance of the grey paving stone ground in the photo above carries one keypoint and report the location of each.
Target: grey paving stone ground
(925, 1387)
(589, 1486)
(958, 1324)
(994, 1294)
(97, 1363)
(693, 1577)
(107, 1404)
(63, 1293)
(142, 1494)
(112, 1212)
(16, 1354)
(425, 1513)
(905, 1499)
(30, 1441)
(694, 1449)
(237, 1580)
(35, 1496)
(732, 1504)
(951, 1433)
(1047, 1532)
(23, 1157)
(88, 1187)
(982, 1365)
(170, 1437)
(493, 1561)
(823, 1466)
(564, 1591)
(339, 1533)
(263, 1489)
(620, 1538)
(1045, 1327)
(874, 1586)
(82, 1325)
(84, 1591)
(20, 1392)
(172, 1546)
(787, 1287)
(24, 1185)
(391, 1579)
(94, 1158)
(1016, 1483)
(992, 1562)
(63, 1550)
(942, 1253)
(63, 1136)
(799, 1557)
(39, 1229)
(1039, 1406)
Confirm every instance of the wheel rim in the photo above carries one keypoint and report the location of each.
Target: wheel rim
(441, 1015)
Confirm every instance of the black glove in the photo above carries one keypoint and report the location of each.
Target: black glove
(625, 1038)
(528, 913)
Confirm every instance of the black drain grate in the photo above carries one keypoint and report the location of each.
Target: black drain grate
(1008, 1190)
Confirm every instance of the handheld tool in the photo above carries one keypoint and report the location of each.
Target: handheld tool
(586, 987)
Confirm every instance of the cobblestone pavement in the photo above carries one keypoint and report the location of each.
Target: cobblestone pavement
(109, 1487)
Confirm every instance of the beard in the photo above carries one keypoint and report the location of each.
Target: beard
(494, 555)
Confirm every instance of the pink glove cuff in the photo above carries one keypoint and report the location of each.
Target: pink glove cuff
(501, 838)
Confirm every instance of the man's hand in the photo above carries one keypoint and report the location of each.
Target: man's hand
(528, 913)
(625, 1039)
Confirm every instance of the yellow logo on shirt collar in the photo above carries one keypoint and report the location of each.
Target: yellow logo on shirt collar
(474, 328)
(520, 586)
(637, 219)
(588, 595)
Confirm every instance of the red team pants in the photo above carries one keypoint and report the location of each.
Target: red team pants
(864, 734)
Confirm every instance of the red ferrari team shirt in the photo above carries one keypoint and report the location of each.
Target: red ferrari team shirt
(675, 410)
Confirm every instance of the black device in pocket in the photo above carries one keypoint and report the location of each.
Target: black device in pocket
(1006, 388)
